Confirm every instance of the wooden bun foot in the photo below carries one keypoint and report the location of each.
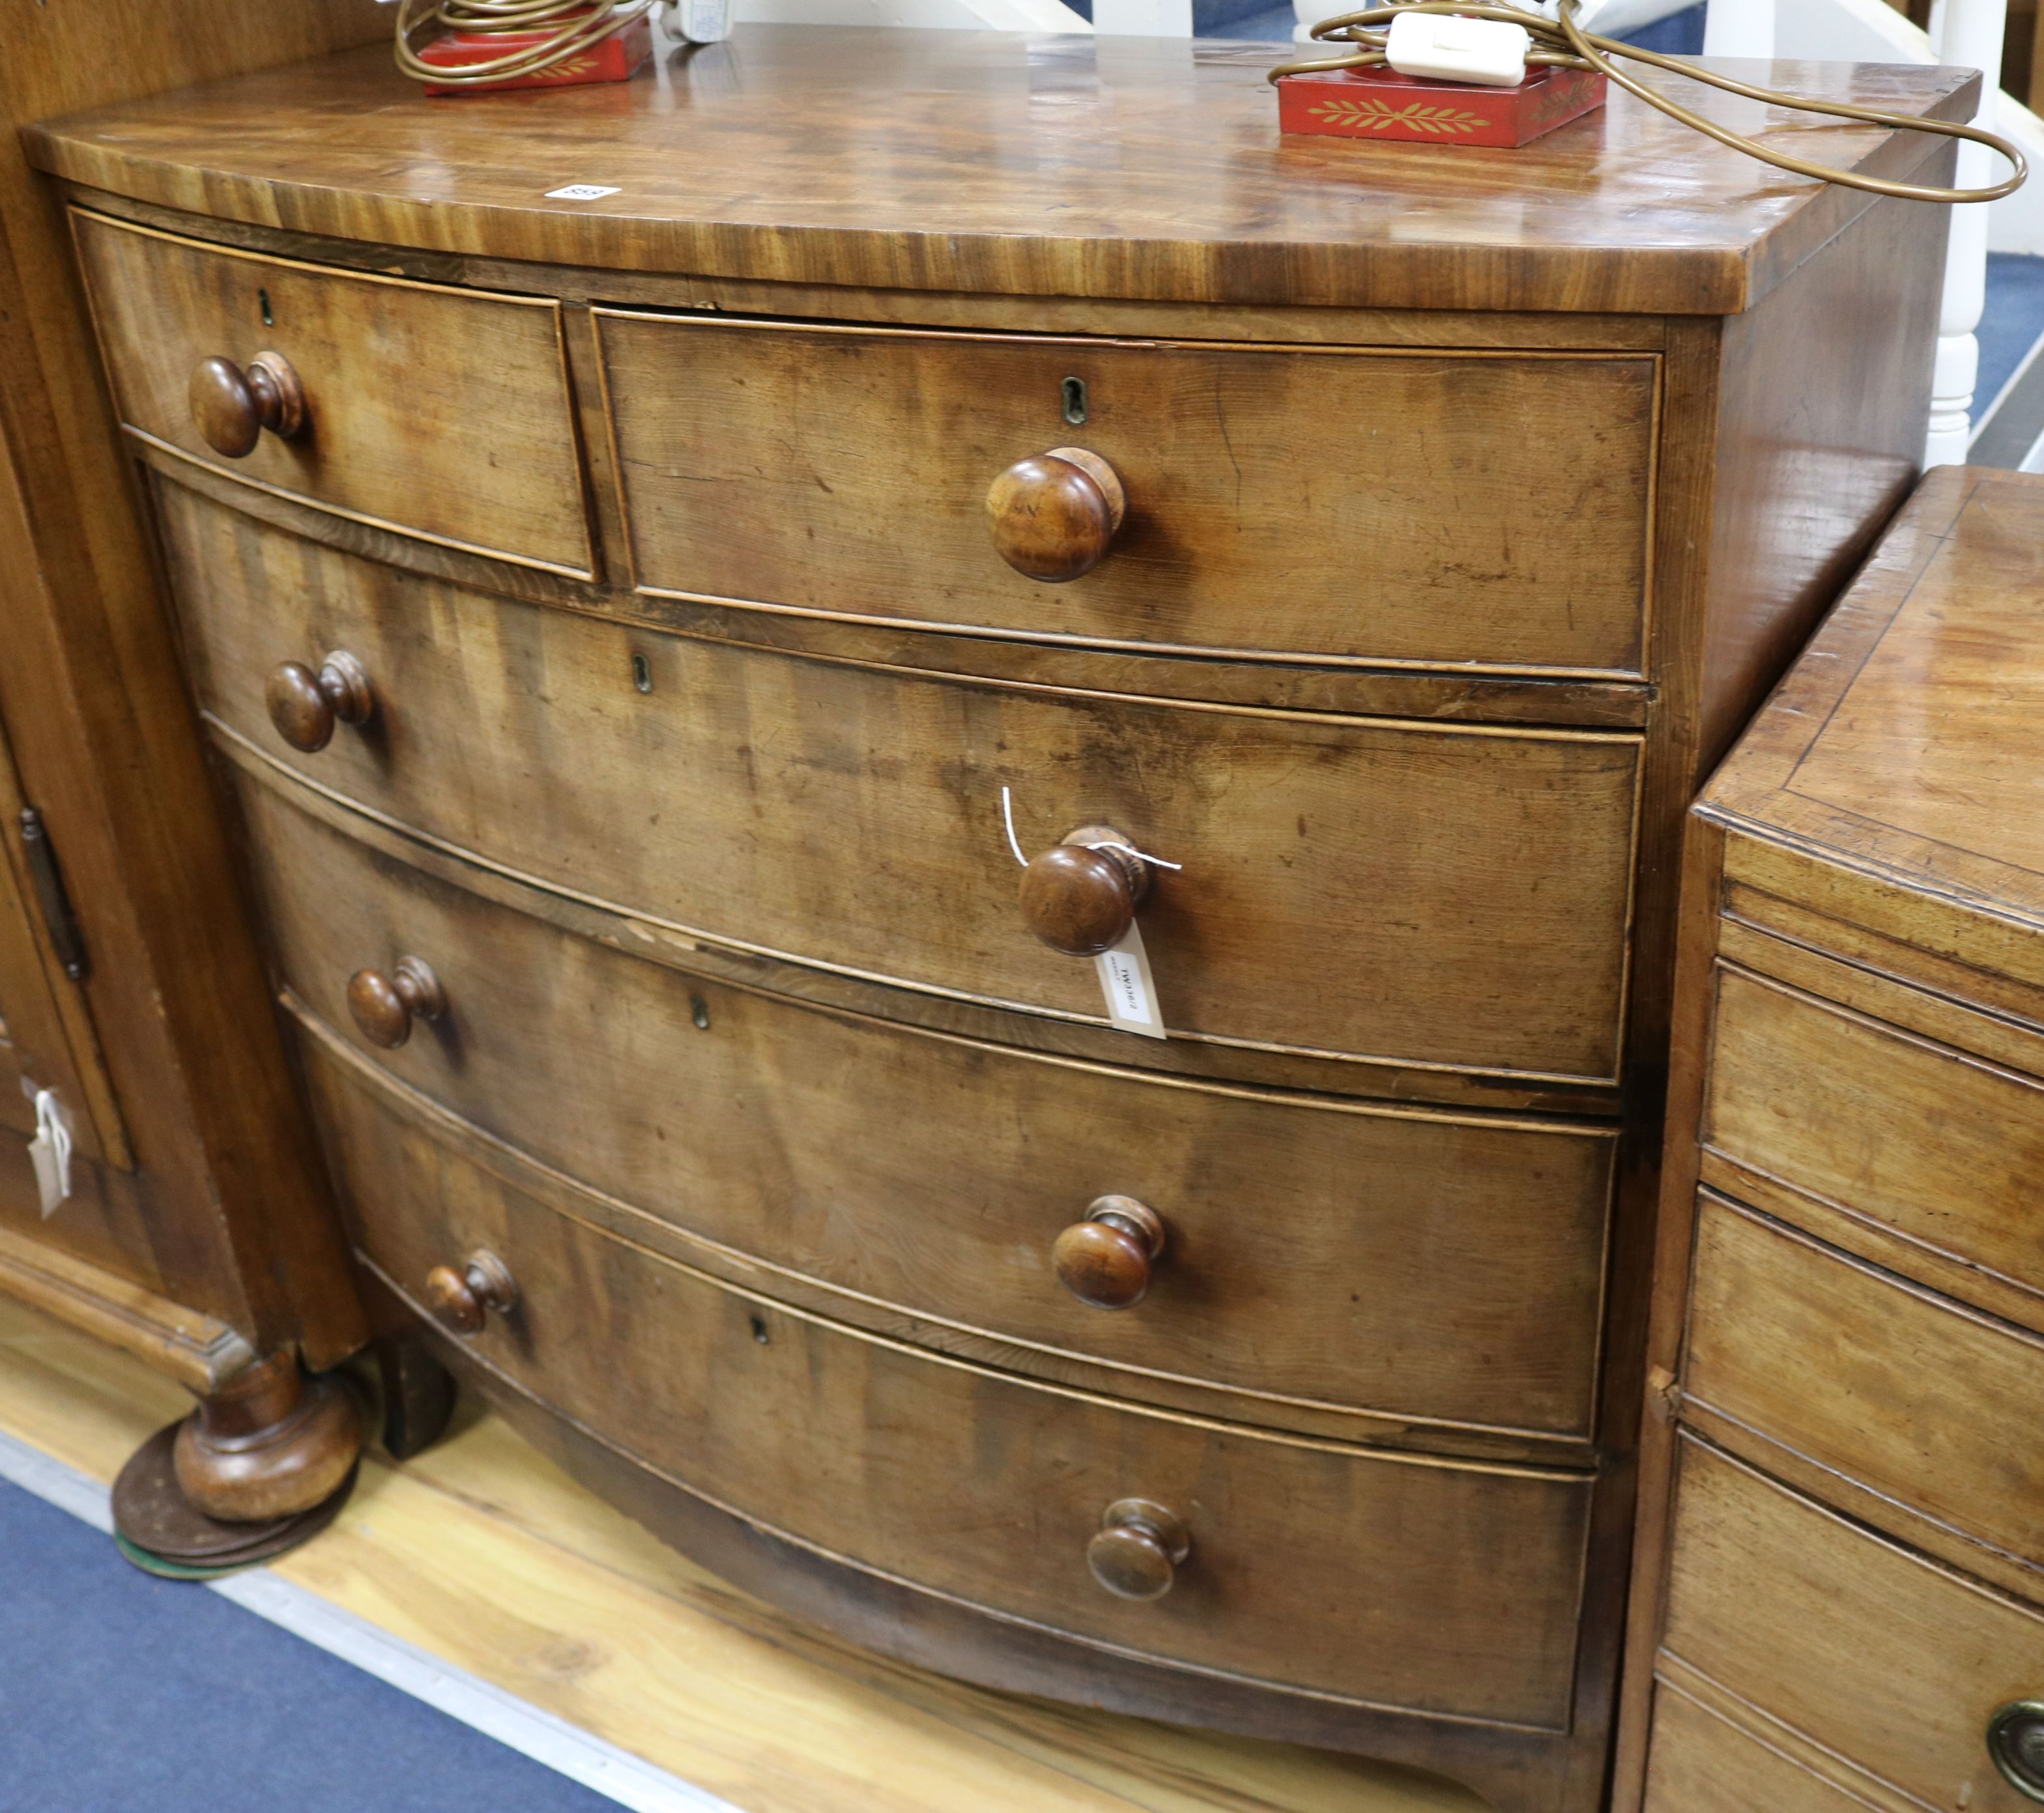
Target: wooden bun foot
(161, 1531)
(270, 1443)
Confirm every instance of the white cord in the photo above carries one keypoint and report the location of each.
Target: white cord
(1015, 843)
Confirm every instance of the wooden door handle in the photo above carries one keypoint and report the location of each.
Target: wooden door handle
(230, 407)
(385, 1006)
(461, 1297)
(1138, 1550)
(1106, 1259)
(1054, 515)
(304, 706)
(1080, 899)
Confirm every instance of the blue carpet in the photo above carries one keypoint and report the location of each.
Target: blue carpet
(2011, 323)
(119, 1693)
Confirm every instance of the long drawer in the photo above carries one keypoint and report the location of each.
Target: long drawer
(1444, 507)
(1405, 1263)
(1426, 895)
(1702, 1763)
(1937, 1152)
(1849, 1643)
(445, 413)
(1446, 1588)
(1895, 1389)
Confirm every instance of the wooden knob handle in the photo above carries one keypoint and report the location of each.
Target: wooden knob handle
(230, 407)
(1106, 1259)
(383, 1006)
(462, 1297)
(304, 706)
(1080, 899)
(1138, 1550)
(1054, 515)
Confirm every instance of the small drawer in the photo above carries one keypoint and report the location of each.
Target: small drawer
(1926, 1404)
(1447, 898)
(1857, 1646)
(1356, 505)
(1311, 1254)
(1444, 1587)
(1874, 1129)
(440, 412)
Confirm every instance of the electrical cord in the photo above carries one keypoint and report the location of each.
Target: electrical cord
(572, 25)
(1561, 43)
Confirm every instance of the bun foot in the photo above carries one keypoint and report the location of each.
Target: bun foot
(159, 1529)
(271, 1443)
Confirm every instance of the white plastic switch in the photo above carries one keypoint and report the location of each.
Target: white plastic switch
(1486, 52)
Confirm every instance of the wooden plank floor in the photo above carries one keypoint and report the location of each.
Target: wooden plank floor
(485, 1554)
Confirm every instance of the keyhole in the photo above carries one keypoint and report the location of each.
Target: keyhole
(262, 296)
(642, 672)
(1075, 400)
(759, 1330)
(699, 1012)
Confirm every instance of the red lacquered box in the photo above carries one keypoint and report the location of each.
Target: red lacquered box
(616, 59)
(1382, 104)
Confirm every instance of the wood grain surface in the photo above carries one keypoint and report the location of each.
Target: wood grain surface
(1861, 1647)
(396, 375)
(1702, 1762)
(1851, 1301)
(1449, 1588)
(1904, 744)
(852, 817)
(1171, 180)
(226, 1213)
(47, 1038)
(1851, 1370)
(1937, 1147)
(1346, 506)
(1416, 1265)
(486, 1556)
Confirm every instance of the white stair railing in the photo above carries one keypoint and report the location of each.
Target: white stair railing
(1969, 34)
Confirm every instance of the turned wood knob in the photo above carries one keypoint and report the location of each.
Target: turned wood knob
(1081, 900)
(383, 1006)
(1138, 1550)
(230, 407)
(304, 706)
(1054, 515)
(1106, 1260)
(462, 1297)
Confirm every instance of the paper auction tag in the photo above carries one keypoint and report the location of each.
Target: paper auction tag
(1129, 987)
(49, 1152)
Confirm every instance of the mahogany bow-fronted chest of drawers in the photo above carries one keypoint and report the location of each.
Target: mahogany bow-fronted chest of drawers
(1841, 1593)
(645, 630)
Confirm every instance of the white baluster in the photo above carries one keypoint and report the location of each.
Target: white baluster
(1152, 18)
(1739, 28)
(1970, 36)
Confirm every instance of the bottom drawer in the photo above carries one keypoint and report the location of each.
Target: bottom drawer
(1700, 1763)
(1864, 1648)
(1440, 1587)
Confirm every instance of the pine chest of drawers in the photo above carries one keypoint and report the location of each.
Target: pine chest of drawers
(631, 627)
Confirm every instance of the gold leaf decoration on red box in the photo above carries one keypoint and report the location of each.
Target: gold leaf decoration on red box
(1379, 115)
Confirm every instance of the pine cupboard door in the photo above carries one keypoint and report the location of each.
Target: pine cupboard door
(46, 1037)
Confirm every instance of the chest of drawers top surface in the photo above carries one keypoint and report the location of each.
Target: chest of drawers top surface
(994, 161)
(1892, 783)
